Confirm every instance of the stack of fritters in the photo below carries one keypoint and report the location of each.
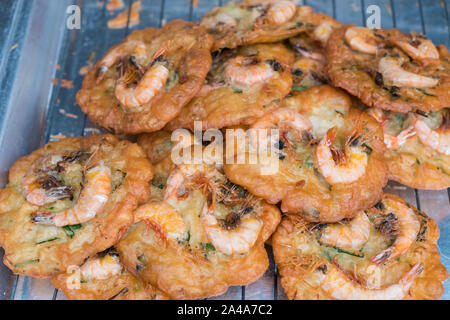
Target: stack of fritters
(353, 107)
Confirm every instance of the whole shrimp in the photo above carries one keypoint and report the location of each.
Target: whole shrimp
(91, 201)
(351, 169)
(438, 140)
(242, 71)
(409, 227)
(101, 268)
(391, 70)
(236, 241)
(280, 12)
(352, 235)
(361, 39)
(150, 84)
(338, 286)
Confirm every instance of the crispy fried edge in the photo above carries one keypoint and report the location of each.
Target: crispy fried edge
(234, 271)
(164, 106)
(120, 216)
(430, 280)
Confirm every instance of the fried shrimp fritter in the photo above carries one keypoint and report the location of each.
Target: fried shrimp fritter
(145, 81)
(330, 157)
(254, 21)
(69, 200)
(103, 277)
(242, 85)
(201, 236)
(418, 147)
(396, 257)
(389, 69)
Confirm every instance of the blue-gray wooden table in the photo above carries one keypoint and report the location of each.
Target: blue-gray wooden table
(37, 50)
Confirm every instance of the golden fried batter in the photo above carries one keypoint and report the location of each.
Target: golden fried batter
(177, 250)
(144, 82)
(299, 182)
(411, 159)
(118, 286)
(240, 94)
(314, 265)
(254, 21)
(36, 243)
(389, 69)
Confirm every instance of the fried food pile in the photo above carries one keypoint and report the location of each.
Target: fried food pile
(171, 217)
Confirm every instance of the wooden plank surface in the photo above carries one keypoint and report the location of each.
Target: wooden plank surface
(435, 20)
(325, 6)
(407, 15)
(264, 288)
(203, 7)
(349, 12)
(430, 16)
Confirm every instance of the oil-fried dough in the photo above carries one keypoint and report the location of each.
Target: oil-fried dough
(314, 268)
(181, 51)
(40, 249)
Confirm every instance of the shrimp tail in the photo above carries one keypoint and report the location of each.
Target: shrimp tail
(157, 54)
(331, 134)
(383, 256)
(43, 218)
(157, 228)
(415, 271)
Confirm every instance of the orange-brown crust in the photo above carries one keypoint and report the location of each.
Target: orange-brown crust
(186, 275)
(354, 72)
(123, 286)
(293, 265)
(98, 234)
(414, 163)
(225, 106)
(306, 195)
(259, 32)
(187, 272)
(413, 170)
(189, 52)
